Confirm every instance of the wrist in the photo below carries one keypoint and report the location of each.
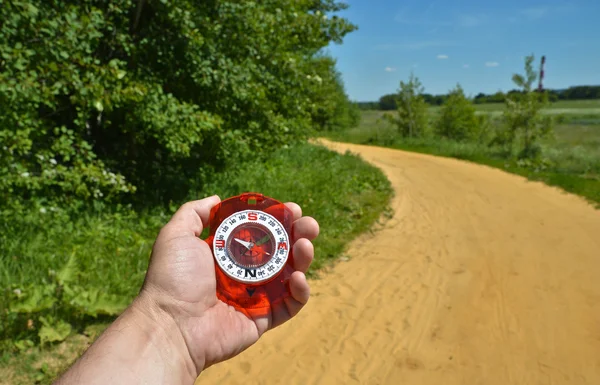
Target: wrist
(164, 333)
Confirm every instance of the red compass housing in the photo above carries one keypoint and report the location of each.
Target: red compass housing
(250, 237)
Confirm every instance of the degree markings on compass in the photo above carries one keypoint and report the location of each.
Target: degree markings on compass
(250, 241)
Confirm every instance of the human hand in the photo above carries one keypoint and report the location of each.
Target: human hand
(180, 289)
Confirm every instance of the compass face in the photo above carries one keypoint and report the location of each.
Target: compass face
(251, 246)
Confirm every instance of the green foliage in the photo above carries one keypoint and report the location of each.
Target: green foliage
(522, 117)
(578, 93)
(411, 117)
(37, 299)
(104, 99)
(388, 102)
(56, 301)
(331, 108)
(498, 97)
(53, 330)
(435, 100)
(367, 106)
(457, 119)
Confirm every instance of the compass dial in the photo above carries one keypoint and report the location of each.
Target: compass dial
(251, 246)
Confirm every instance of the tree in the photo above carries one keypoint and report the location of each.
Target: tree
(388, 102)
(100, 97)
(457, 120)
(331, 108)
(368, 106)
(411, 116)
(412, 109)
(523, 120)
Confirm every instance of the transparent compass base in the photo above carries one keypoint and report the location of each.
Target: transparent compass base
(254, 300)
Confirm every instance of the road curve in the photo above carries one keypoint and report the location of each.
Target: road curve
(480, 277)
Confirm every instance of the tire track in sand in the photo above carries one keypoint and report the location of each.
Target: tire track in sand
(480, 277)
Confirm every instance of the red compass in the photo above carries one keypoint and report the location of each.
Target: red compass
(250, 237)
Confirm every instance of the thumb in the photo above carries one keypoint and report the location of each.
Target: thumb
(193, 216)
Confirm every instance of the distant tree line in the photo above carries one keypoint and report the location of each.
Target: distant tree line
(519, 131)
(388, 102)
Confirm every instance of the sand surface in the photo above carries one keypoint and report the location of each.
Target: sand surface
(480, 277)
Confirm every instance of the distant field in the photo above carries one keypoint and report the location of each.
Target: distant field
(570, 105)
(582, 128)
(569, 108)
(572, 154)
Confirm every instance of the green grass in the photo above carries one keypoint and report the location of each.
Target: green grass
(571, 157)
(573, 106)
(108, 250)
(569, 109)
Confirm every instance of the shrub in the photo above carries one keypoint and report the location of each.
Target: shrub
(523, 121)
(458, 120)
(100, 98)
(411, 117)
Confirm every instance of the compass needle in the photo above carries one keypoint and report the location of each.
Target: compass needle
(247, 245)
(263, 240)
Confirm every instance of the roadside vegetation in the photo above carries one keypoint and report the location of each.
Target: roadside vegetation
(554, 142)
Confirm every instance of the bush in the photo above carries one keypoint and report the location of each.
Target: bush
(411, 118)
(523, 121)
(457, 119)
(102, 99)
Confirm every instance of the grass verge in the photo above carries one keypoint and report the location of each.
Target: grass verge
(102, 256)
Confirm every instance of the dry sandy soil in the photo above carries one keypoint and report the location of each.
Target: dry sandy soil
(480, 277)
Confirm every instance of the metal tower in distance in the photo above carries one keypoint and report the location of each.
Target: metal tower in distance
(542, 72)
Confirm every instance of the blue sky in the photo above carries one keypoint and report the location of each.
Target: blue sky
(478, 44)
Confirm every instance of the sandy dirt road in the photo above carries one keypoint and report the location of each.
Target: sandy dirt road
(480, 277)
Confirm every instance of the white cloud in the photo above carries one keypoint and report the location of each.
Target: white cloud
(492, 64)
(442, 57)
(465, 66)
(390, 69)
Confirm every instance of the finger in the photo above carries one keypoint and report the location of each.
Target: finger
(193, 216)
(305, 227)
(292, 305)
(304, 253)
(296, 209)
(300, 293)
(299, 288)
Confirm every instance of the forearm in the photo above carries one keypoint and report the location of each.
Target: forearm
(142, 346)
